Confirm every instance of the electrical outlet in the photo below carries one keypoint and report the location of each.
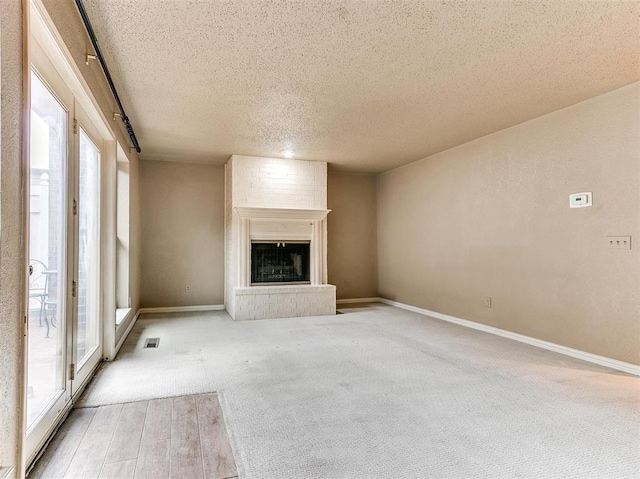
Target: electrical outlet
(346, 283)
(187, 288)
(619, 242)
(487, 301)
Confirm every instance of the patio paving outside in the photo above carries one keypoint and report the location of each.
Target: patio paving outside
(44, 356)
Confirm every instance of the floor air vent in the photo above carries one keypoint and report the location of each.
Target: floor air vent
(151, 342)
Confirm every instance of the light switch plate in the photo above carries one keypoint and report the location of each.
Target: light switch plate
(619, 242)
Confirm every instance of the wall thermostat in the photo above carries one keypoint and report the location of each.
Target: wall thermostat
(580, 200)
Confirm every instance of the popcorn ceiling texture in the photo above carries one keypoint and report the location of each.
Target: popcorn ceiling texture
(379, 392)
(363, 85)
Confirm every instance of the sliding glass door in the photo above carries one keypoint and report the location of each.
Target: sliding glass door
(64, 322)
(48, 386)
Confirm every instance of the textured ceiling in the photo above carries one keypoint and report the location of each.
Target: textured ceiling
(366, 86)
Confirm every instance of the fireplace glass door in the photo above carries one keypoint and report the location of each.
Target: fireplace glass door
(278, 262)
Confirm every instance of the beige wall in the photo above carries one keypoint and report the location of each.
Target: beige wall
(182, 222)
(491, 218)
(182, 234)
(351, 234)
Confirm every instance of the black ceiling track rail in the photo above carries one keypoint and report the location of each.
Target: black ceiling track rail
(103, 64)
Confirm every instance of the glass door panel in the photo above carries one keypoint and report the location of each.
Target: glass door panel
(46, 381)
(64, 328)
(88, 314)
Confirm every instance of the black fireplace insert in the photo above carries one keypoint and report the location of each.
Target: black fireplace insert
(279, 262)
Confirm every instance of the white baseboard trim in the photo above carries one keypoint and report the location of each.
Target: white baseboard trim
(182, 309)
(574, 353)
(358, 300)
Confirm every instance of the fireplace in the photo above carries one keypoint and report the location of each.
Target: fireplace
(276, 239)
(279, 262)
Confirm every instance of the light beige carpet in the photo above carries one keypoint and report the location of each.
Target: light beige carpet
(379, 392)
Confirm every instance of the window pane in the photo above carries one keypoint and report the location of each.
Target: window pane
(47, 240)
(122, 230)
(88, 249)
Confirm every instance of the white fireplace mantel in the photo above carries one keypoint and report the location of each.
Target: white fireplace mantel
(281, 213)
(269, 224)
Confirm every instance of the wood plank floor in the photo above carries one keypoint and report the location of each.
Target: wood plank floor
(162, 438)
